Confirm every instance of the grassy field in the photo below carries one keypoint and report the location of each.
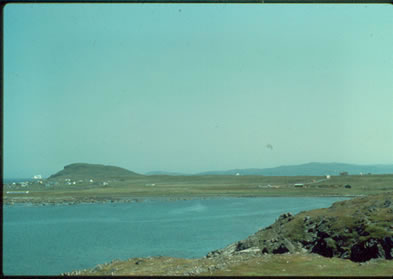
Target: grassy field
(305, 265)
(264, 265)
(202, 186)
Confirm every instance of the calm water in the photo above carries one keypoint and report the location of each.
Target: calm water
(54, 239)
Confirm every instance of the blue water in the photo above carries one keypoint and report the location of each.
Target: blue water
(50, 240)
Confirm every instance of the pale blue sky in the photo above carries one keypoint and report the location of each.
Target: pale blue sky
(191, 88)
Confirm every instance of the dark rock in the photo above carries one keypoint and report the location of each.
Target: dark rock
(280, 250)
(241, 246)
(372, 249)
(322, 234)
(285, 216)
(387, 245)
(325, 247)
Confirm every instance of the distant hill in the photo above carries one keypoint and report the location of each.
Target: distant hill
(87, 171)
(312, 169)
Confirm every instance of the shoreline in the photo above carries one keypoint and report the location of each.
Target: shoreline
(115, 200)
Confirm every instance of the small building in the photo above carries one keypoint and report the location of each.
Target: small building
(299, 185)
(328, 176)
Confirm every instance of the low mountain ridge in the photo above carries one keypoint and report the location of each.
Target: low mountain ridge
(309, 169)
(88, 171)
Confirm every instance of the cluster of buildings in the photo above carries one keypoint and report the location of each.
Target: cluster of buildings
(38, 180)
(69, 181)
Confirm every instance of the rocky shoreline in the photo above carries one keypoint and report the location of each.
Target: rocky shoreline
(38, 201)
(359, 230)
(75, 201)
(62, 201)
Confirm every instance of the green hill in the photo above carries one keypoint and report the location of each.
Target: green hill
(92, 171)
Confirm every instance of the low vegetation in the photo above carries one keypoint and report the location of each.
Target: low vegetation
(300, 264)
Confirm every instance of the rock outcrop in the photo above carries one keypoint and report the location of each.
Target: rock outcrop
(360, 229)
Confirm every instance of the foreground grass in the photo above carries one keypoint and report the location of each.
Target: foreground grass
(307, 265)
(263, 265)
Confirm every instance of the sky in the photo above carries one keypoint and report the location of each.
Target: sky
(196, 87)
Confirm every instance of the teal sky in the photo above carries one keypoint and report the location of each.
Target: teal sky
(191, 88)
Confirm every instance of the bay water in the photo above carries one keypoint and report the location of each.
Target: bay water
(49, 240)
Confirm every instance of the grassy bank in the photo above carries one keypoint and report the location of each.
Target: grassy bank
(199, 186)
